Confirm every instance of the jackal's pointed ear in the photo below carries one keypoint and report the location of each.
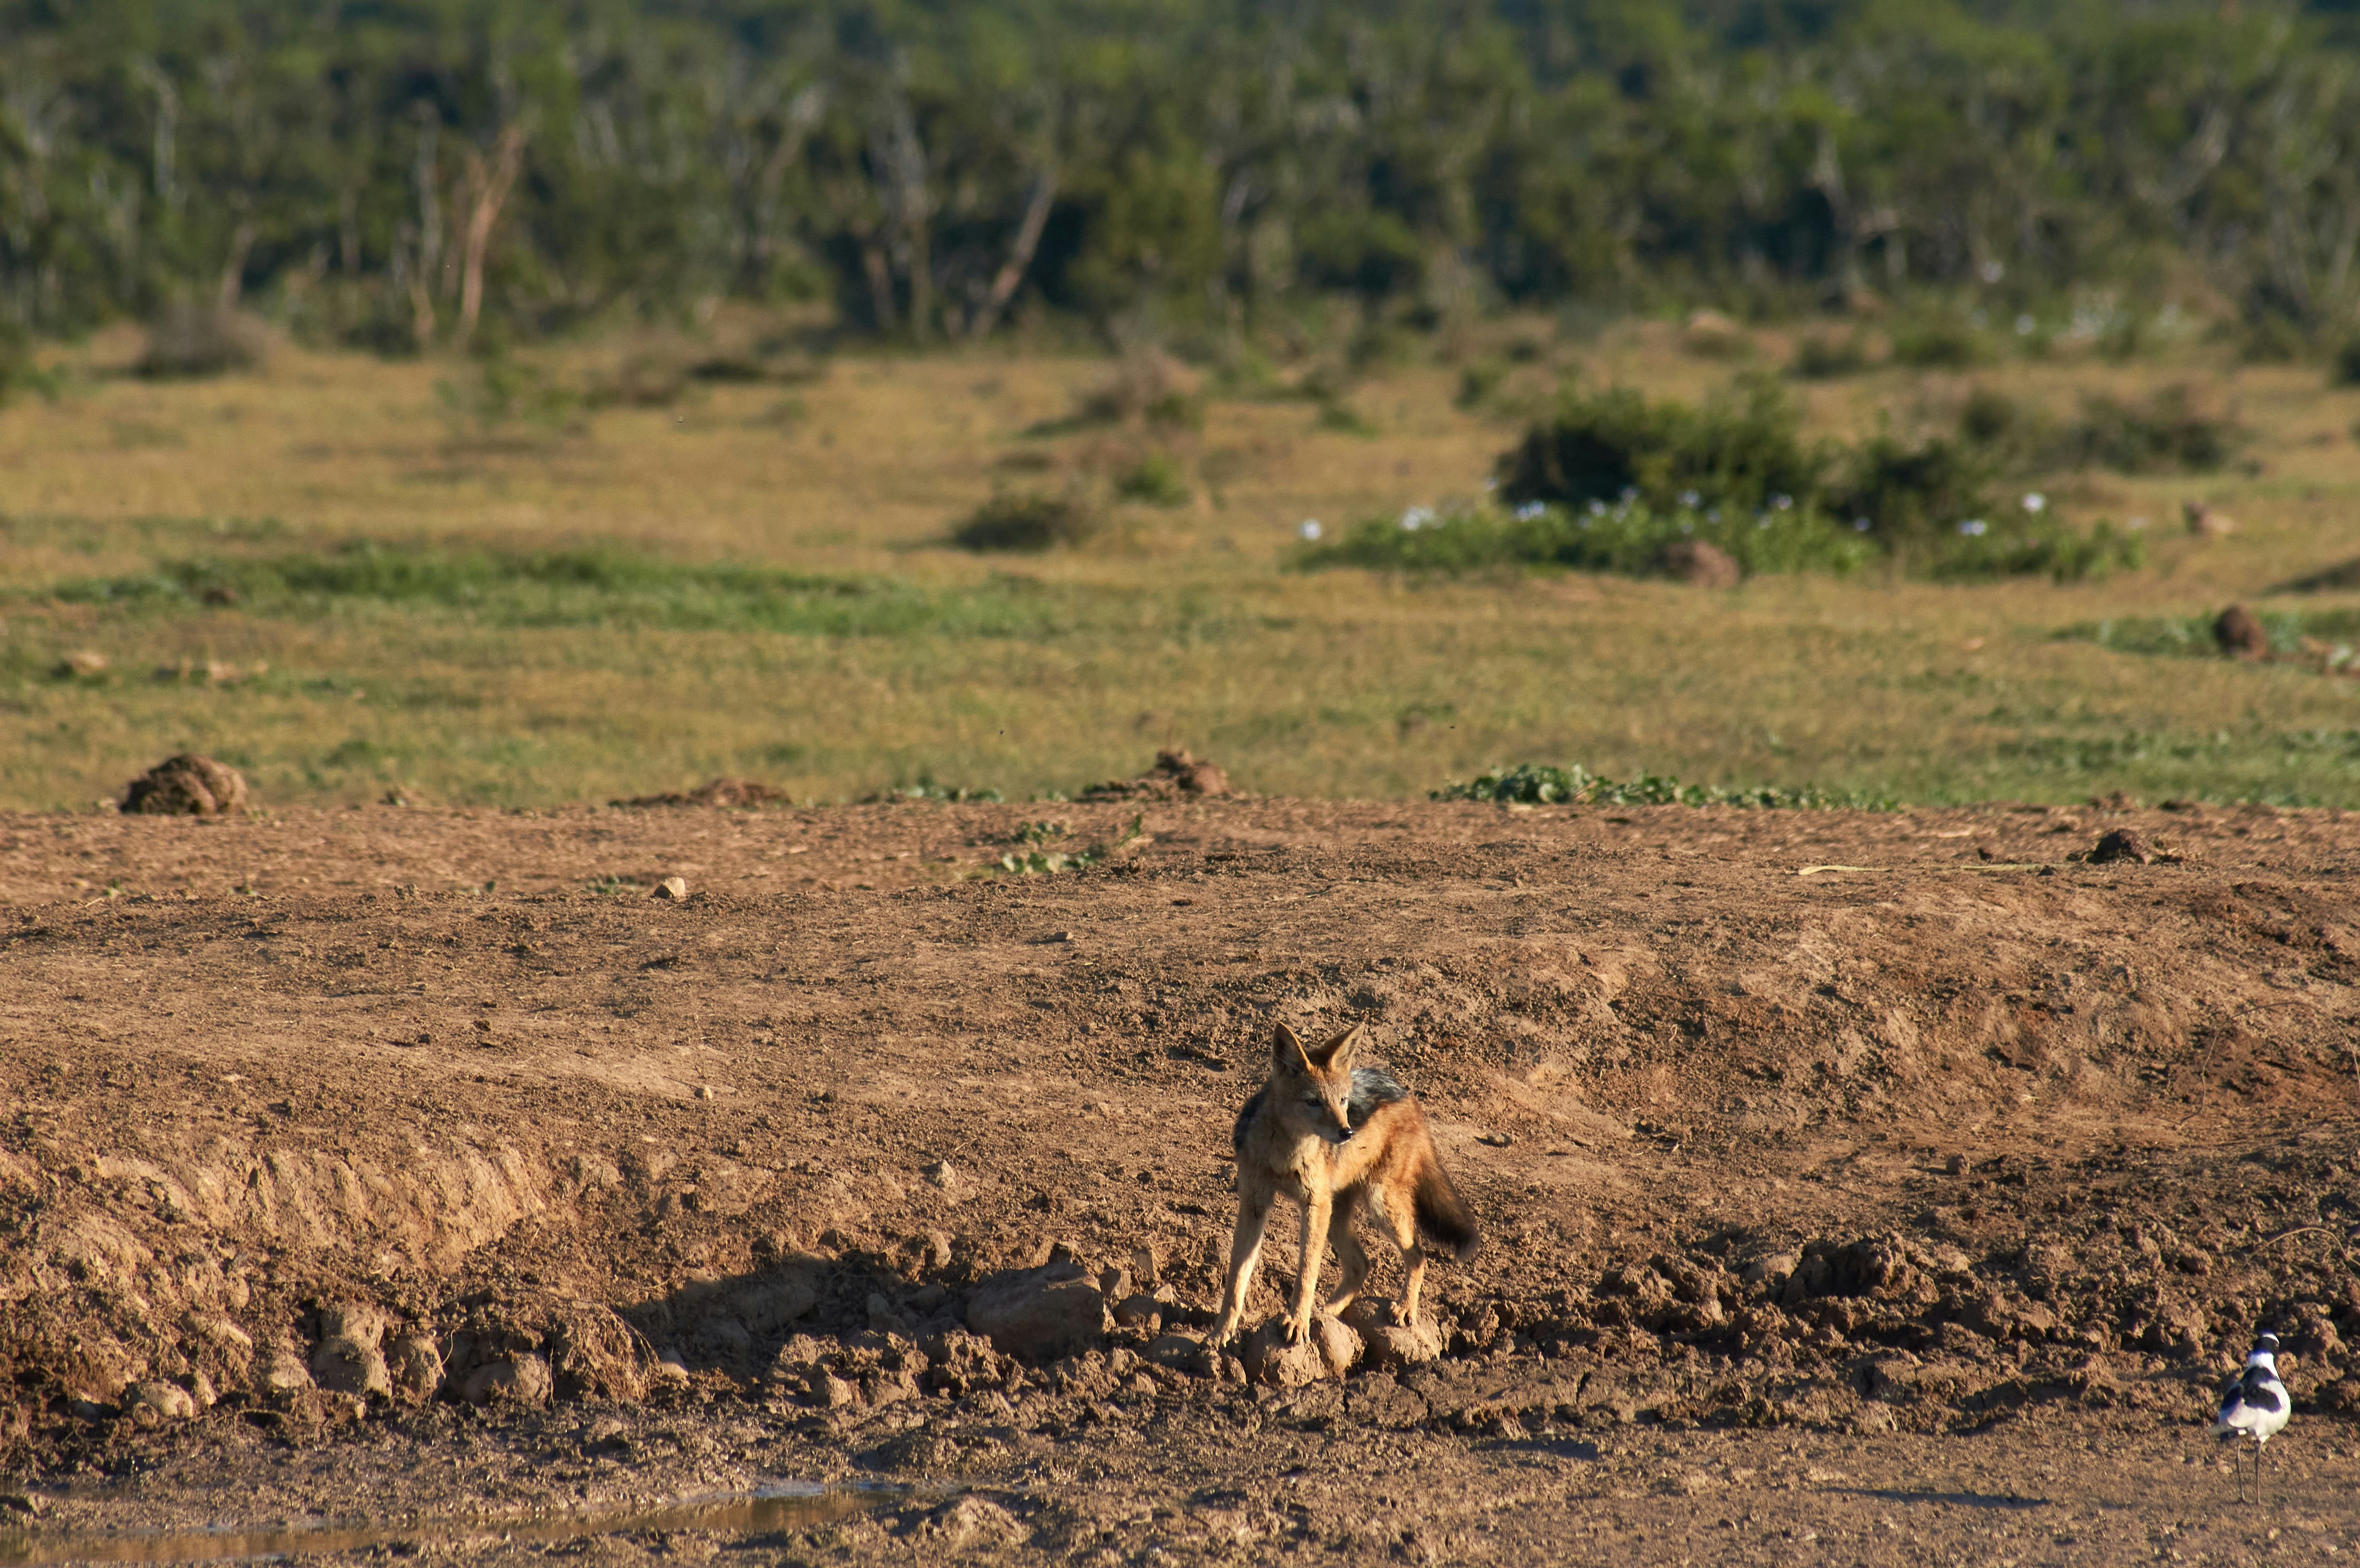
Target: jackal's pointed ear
(1286, 1052)
(1336, 1054)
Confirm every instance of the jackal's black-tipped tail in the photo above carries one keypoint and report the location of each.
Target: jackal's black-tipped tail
(1443, 1214)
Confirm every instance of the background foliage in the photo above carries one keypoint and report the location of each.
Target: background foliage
(405, 172)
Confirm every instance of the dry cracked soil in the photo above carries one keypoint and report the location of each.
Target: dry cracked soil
(1879, 1188)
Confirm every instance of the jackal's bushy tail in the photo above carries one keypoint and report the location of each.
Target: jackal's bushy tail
(1443, 1214)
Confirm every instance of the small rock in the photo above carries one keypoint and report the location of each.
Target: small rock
(834, 1393)
(347, 1364)
(1389, 1344)
(187, 786)
(82, 666)
(1182, 1353)
(941, 1174)
(2241, 634)
(2122, 844)
(413, 1366)
(2206, 521)
(1145, 1266)
(1038, 1313)
(1771, 1270)
(673, 889)
(967, 1521)
(1339, 1346)
(1270, 1359)
(153, 1404)
(516, 1379)
(1700, 565)
(1140, 1311)
(282, 1373)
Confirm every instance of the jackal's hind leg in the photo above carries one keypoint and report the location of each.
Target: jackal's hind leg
(1349, 1255)
(1400, 1221)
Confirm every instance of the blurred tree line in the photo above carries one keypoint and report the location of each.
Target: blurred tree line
(399, 173)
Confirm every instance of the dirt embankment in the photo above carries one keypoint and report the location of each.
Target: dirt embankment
(1826, 1122)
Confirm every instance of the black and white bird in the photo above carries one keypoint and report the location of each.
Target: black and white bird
(2254, 1404)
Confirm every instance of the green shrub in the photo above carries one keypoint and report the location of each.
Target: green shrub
(1018, 520)
(1823, 356)
(1345, 420)
(1155, 479)
(2343, 370)
(1940, 343)
(19, 370)
(1739, 452)
(190, 341)
(2167, 433)
(1535, 784)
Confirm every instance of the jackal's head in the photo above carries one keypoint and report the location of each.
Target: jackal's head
(1314, 1082)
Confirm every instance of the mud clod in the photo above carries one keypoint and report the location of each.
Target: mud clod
(2241, 634)
(728, 793)
(672, 890)
(1039, 1314)
(187, 786)
(1700, 565)
(2122, 844)
(1176, 774)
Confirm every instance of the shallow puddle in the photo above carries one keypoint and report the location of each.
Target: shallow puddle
(785, 1507)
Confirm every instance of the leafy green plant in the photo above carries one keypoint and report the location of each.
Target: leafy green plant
(1538, 784)
(1156, 479)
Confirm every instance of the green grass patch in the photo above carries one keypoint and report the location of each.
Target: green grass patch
(1538, 785)
(2191, 636)
(596, 586)
(1622, 538)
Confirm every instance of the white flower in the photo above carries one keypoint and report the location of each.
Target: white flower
(1416, 517)
(1688, 498)
(2035, 503)
(1630, 493)
(1597, 508)
(1974, 528)
(1713, 515)
(2024, 326)
(1307, 528)
(1529, 510)
(1860, 525)
(1782, 503)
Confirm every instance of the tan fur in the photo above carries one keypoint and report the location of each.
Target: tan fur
(1294, 1141)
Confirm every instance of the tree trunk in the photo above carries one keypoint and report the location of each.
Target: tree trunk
(881, 283)
(491, 186)
(1020, 253)
(232, 278)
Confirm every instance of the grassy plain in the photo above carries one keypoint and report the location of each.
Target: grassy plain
(763, 587)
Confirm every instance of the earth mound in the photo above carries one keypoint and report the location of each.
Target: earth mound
(187, 786)
(1175, 774)
(721, 792)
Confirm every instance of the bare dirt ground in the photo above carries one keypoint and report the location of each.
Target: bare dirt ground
(1877, 1188)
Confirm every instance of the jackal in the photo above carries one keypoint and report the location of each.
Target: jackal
(1327, 1134)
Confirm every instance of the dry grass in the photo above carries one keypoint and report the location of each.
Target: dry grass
(1179, 626)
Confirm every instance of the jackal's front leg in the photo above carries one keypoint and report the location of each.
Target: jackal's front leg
(1245, 1247)
(1315, 1253)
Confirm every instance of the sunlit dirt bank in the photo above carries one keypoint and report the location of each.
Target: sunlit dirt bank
(1894, 1187)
